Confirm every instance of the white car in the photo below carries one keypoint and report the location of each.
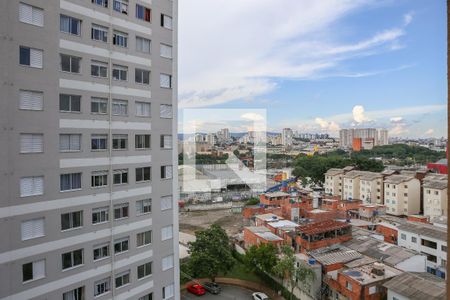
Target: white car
(260, 296)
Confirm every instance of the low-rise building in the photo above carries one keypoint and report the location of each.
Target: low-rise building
(262, 220)
(333, 182)
(321, 234)
(402, 195)
(435, 198)
(370, 211)
(371, 188)
(256, 235)
(416, 286)
(429, 240)
(351, 185)
(275, 198)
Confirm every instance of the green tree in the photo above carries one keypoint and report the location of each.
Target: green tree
(288, 271)
(210, 253)
(262, 257)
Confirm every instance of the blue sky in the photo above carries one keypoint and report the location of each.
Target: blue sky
(317, 66)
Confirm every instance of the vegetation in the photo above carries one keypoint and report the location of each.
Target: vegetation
(252, 201)
(263, 257)
(205, 159)
(210, 253)
(287, 269)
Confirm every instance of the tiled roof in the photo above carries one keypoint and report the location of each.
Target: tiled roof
(324, 226)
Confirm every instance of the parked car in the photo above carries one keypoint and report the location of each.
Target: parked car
(212, 287)
(260, 296)
(196, 289)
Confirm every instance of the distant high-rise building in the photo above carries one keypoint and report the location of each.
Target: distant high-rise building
(286, 137)
(383, 137)
(88, 206)
(346, 136)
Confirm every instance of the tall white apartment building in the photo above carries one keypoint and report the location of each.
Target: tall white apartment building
(402, 195)
(383, 137)
(346, 136)
(88, 120)
(286, 137)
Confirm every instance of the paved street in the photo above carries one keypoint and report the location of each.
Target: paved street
(228, 293)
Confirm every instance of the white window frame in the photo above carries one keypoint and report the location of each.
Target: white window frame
(119, 138)
(166, 111)
(144, 238)
(145, 267)
(102, 286)
(71, 179)
(140, 139)
(166, 203)
(165, 51)
(37, 186)
(31, 143)
(71, 220)
(101, 248)
(120, 39)
(36, 229)
(100, 137)
(120, 107)
(98, 66)
(165, 81)
(103, 215)
(30, 14)
(122, 242)
(122, 72)
(72, 259)
(120, 172)
(166, 21)
(72, 59)
(166, 141)
(167, 262)
(102, 179)
(143, 109)
(142, 72)
(71, 98)
(101, 31)
(31, 100)
(143, 45)
(167, 233)
(141, 169)
(143, 206)
(100, 103)
(38, 54)
(38, 265)
(168, 291)
(71, 139)
(124, 213)
(124, 278)
(70, 18)
(167, 172)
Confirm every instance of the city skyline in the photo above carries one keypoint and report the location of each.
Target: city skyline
(337, 64)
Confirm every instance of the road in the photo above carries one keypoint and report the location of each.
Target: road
(228, 293)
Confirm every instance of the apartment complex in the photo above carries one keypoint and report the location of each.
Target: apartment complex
(435, 197)
(88, 118)
(364, 137)
(402, 195)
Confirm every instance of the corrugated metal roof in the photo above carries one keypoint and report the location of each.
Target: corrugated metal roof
(334, 255)
(418, 286)
(425, 230)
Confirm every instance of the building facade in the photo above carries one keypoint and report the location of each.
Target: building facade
(402, 195)
(286, 137)
(435, 199)
(88, 121)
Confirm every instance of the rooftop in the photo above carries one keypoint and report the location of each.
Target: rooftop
(365, 275)
(264, 233)
(418, 286)
(355, 173)
(276, 194)
(321, 227)
(283, 224)
(428, 230)
(398, 179)
(390, 254)
(371, 176)
(334, 171)
(268, 217)
(435, 184)
(334, 254)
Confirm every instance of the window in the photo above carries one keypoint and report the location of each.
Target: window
(99, 142)
(166, 172)
(413, 239)
(69, 25)
(143, 238)
(349, 286)
(403, 236)
(143, 206)
(143, 44)
(122, 279)
(144, 270)
(167, 263)
(405, 194)
(165, 81)
(121, 245)
(142, 141)
(101, 251)
(31, 100)
(33, 270)
(76, 294)
(99, 106)
(372, 290)
(142, 109)
(31, 14)
(121, 6)
(166, 141)
(31, 229)
(99, 179)
(69, 103)
(120, 141)
(31, 186)
(443, 248)
(102, 286)
(143, 174)
(120, 107)
(166, 202)
(436, 192)
(120, 39)
(70, 63)
(120, 176)
(99, 33)
(69, 142)
(31, 143)
(166, 233)
(143, 13)
(120, 211)
(100, 215)
(120, 72)
(165, 51)
(168, 291)
(166, 21)
(99, 69)
(147, 297)
(142, 76)
(165, 111)
(70, 182)
(103, 3)
(31, 57)
(72, 220)
(72, 259)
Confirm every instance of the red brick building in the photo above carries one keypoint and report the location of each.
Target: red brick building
(254, 236)
(274, 199)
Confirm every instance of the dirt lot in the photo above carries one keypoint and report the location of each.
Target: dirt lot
(192, 221)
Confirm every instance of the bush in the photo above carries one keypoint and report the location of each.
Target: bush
(252, 201)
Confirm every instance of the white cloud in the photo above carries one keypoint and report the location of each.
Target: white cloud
(327, 125)
(407, 18)
(252, 117)
(429, 132)
(234, 49)
(396, 119)
(359, 115)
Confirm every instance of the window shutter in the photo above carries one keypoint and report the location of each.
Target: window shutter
(166, 51)
(166, 111)
(164, 80)
(168, 171)
(31, 100)
(36, 58)
(32, 229)
(167, 141)
(38, 183)
(167, 262)
(39, 269)
(25, 13)
(31, 143)
(75, 142)
(166, 202)
(167, 22)
(38, 16)
(31, 186)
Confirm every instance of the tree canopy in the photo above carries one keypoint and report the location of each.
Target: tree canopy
(210, 253)
(262, 257)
